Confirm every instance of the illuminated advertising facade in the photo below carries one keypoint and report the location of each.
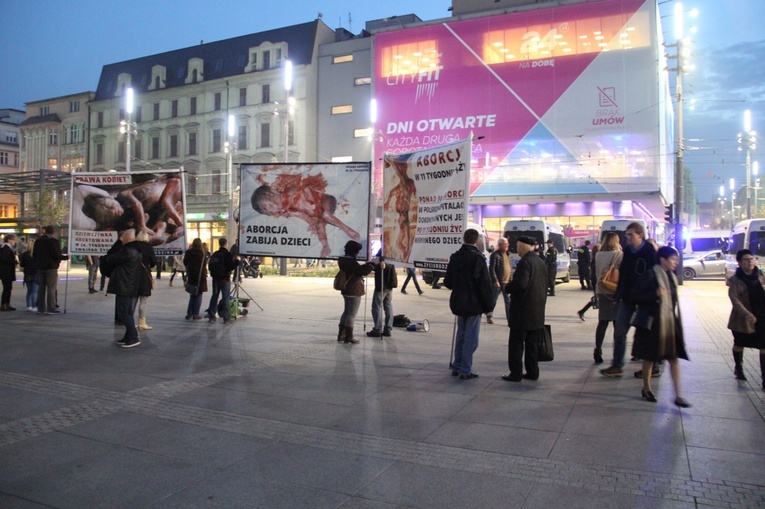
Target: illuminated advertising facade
(563, 102)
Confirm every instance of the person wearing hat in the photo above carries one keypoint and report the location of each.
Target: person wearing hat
(353, 291)
(528, 297)
(551, 260)
(7, 270)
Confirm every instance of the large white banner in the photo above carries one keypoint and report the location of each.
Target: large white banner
(303, 210)
(425, 204)
(108, 205)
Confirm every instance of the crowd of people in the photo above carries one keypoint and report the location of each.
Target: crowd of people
(633, 287)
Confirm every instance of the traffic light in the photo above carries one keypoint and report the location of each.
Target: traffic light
(669, 214)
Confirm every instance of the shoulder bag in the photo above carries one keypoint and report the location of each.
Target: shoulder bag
(610, 279)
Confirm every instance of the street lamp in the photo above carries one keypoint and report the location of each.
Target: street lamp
(755, 171)
(287, 89)
(230, 148)
(748, 141)
(127, 127)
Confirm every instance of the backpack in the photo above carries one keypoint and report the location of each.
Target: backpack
(341, 281)
(216, 267)
(401, 321)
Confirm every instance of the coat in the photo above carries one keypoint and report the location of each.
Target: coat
(7, 263)
(528, 293)
(355, 272)
(497, 267)
(125, 272)
(148, 260)
(467, 276)
(30, 269)
(386, 276)
(47, 253)
(196, 271)
(742, 308)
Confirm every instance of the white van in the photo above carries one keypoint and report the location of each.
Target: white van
(748, 234)
(702, 241)
(541, 231)
(619, 226)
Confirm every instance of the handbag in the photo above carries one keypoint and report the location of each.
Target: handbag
(545, 350)
(610, 279)
(641, 318)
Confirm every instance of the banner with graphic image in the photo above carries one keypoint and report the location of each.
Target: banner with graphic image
(105, 206)
(425, 204)
(303, 210)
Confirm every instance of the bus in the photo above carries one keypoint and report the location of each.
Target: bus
(748, 234)
(619, 226)
(541, 231)
(701, 241)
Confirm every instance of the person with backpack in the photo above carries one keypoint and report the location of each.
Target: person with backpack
(220, 265)
(351, 285)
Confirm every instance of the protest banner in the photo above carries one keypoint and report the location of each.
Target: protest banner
(303, 210)
(425, 204)
(106, 205)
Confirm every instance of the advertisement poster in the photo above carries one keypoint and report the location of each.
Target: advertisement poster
(425, 204)
(106, 205)
(303, 210)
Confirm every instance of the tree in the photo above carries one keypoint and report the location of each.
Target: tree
(50, 207)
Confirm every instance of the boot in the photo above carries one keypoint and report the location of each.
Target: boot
(738, 371)
(597, 354)
(762, 369)
(349, 336)
(3, 307)
(341, 333)
(143, 325)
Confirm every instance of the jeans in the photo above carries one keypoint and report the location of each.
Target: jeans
(195, 304)
(32, 294)
(125, 306)
(495, 292)
(621, 327)
(224, 289)
(410, 274)
(351, 307)
(520, 340)
(46, 295)
(92, 275)
(382, 299)
(142, 301)
(466, 343)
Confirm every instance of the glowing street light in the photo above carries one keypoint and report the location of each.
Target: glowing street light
(127, 127)
(747, 141)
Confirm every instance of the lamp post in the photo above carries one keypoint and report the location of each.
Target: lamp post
(127, 127)
(230, 148)
(755, 171)
(287, 90)
(747, 140)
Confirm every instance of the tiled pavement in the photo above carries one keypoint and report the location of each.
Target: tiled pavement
(272, 412)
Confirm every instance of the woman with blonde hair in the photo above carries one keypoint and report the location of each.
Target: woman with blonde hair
(609, 255)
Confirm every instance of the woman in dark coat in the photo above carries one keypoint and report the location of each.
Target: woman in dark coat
(146, 282)
(27, 262)
(196, 274)
(7, 270)
(353, 290)
(659, 328)
(746, 290)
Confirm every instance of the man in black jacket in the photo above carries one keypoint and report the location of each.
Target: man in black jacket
(528, 298)
(382, 299)
(220, 266)
(551, 260)
(47, 257)
(124, 269)
(583, 260)
(468, 278)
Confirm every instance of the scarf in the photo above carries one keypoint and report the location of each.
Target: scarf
(667, 282)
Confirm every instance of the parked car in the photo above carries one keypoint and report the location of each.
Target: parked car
(709, 264)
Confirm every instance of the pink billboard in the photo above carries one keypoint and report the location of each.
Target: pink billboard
(564, 95)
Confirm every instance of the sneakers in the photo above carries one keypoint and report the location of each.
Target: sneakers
(92, 290)
(612, 372)
(469, 376)
(655, 373)
(130, 343)
(53, 312)
(403, 291)
(387, 333)
(374, 333)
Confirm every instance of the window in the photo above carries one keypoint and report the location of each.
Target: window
(219, 65)
(174, 108)
(16, 160)
(137, 148)
(278, 57)
(74, 106)
(217, 101)
(266, 60)
(216, 181)
(366, 80)
(291, 132)
(242, 141)
(362, 133)
(156, 111)
(122, 114)
(191, 182)
(265, 134)
(342, 159)
(138, 115)
(216, 140)
(341, 59)
(340, 110)
(155, 147)
(53, 135)
(12, 138)
(8, 211)
(74, 134)
(44, 110)
(120, 151)
(100, 119)
(193, 106)
(242, 97)
(173, 145)
(192, 144)
(4, 158)
(99, 153)
(266, 93)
